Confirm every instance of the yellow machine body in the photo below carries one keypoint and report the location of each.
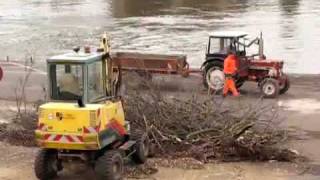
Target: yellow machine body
(68, 126)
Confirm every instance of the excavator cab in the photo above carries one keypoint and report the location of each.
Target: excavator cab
(79, 76)
(83, 75)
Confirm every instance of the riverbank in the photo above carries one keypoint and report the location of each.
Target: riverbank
(299, 111)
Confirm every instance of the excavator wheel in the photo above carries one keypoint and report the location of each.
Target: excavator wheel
(141, 147)
(109, 166)
(47, 165)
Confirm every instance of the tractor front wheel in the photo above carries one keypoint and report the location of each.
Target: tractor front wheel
(284, 87)
(46, 164)
(269, 88)
(109, 166)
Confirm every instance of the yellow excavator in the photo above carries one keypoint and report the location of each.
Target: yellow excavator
(84, 120)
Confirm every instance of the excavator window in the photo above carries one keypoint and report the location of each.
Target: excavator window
(96, 86)
(66, 81)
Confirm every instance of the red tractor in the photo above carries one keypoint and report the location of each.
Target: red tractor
(254, 67)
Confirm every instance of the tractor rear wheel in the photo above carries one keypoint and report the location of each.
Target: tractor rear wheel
(109, 166)
(284, 87)
(46, 164)
(213, 77)
(269, 88)
(141, 147)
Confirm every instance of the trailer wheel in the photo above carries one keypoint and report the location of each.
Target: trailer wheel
(109, 166)
(269, 88)
(141, 147)
(46, 164)
(284, 87)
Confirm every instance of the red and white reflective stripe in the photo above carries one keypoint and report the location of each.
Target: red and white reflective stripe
(63, 138)
(76, 139)
(116, 126)
(90, 130)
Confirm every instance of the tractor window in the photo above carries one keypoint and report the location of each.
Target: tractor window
(219, 45)
(66, 81)
(241, 48)
(96, 88)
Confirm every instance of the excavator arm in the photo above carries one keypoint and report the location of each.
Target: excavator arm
(113, 70)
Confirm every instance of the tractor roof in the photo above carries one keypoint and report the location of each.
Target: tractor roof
(228, 34)
(73, 57)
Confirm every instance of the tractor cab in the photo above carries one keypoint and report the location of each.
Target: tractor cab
(220, 42)
(79, 76)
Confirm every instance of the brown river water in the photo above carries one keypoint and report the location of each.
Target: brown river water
(45, 27)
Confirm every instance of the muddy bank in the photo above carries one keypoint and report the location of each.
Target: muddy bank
(16, 163)
(299, 110)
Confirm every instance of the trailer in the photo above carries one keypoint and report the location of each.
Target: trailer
(148, 64)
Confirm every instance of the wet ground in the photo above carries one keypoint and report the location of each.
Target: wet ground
(46, 27)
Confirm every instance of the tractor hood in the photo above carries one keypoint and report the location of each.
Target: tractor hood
(267, 63)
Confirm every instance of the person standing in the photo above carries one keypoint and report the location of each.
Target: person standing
(230, 69)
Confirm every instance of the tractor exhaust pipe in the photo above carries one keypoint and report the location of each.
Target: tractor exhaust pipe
(261, 48)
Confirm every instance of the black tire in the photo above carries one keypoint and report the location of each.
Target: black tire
(46, 164)
(141, 147)
(218, 65)
(239, 83)
(286, 86)
(269, 88)
(152, 149)
(109, 166)
(214, 64)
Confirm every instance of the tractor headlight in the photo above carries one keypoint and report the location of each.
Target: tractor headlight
(272, 73)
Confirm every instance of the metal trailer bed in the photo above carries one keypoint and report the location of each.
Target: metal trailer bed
(152, 63)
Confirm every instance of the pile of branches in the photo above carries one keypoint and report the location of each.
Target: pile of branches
(20, 131)
(207, 129)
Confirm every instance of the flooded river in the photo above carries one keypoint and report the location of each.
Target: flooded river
(44, 27)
